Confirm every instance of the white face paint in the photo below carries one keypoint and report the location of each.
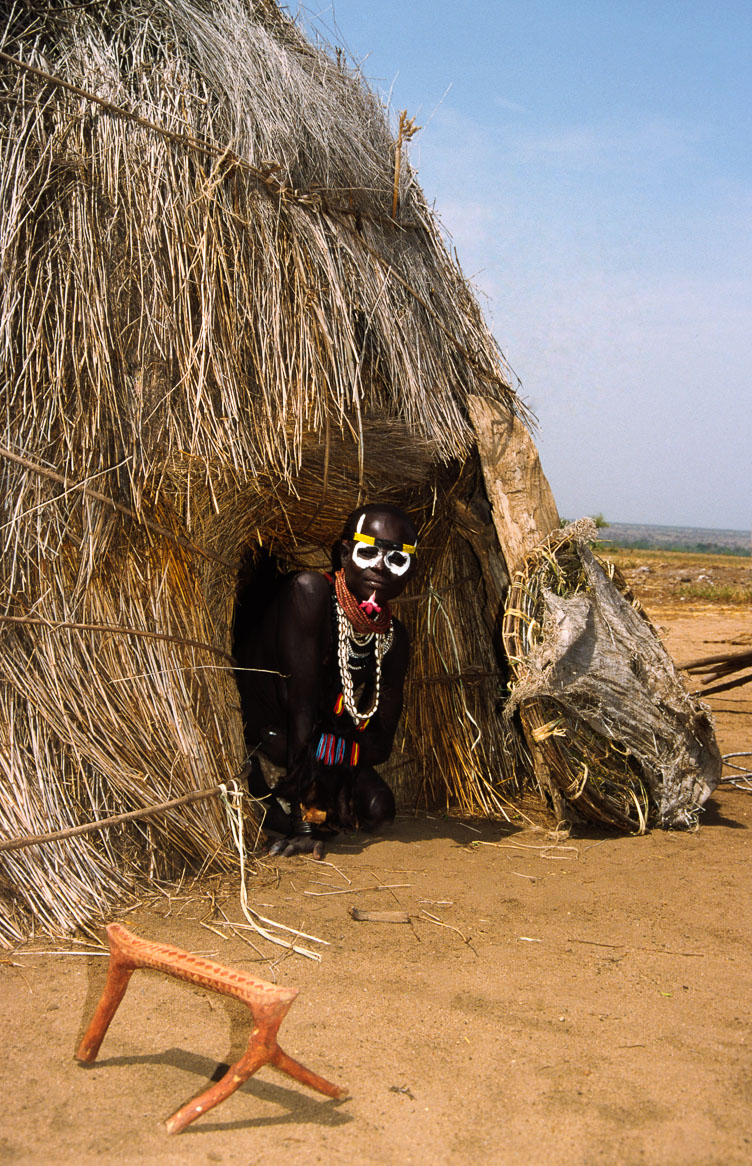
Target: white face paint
(365, 555)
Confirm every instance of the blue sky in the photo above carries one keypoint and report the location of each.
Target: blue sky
(591, 161)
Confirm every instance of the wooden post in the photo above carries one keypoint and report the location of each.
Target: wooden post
(522, 504)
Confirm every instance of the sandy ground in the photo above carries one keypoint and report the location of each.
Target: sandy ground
(578, 1001)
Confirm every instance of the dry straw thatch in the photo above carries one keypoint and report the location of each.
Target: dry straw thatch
(214, 336)
(614, 733)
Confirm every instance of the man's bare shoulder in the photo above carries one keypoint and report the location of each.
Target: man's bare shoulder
(308, 589)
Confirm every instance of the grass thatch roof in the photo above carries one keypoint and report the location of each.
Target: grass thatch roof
(213, 336)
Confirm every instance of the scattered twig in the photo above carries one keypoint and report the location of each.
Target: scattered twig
(628, 947)
(318, 862)
(358, 890)
(540, 849)
(208, 926)
(379, 916)
(724, 663)
(439, 923)
(57, 951)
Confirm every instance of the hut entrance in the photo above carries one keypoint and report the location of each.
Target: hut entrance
(259, 578)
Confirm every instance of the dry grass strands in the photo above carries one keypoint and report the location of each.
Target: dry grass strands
(469, 756)
(213, 337)
(612, 730)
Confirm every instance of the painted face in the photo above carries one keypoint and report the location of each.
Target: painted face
(379, 558)
(371, 554)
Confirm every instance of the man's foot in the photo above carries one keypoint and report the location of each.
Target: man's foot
(297, 844)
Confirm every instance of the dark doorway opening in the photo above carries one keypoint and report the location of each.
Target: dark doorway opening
(259, 579)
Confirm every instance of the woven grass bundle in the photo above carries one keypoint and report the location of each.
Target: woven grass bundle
(611, 728)
(216, 334)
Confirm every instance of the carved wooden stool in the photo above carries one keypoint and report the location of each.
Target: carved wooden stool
(267, 1002)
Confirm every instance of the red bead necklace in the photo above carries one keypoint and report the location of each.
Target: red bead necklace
(361, 622)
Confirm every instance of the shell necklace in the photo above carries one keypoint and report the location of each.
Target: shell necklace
(347, 637)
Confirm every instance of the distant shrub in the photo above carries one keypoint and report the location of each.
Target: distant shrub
(646, 544)
(717, 549)
(718, 593)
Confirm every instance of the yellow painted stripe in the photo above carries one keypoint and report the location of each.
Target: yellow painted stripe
(368, 538)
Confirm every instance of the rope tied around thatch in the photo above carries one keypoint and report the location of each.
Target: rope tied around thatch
(265, 174)
(231, 794)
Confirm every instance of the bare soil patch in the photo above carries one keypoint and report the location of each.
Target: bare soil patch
(572, 1001)
(675, 579)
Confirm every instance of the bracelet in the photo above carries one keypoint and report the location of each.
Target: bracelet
(331, 750)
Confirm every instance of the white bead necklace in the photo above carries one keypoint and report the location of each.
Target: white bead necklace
(345, 635)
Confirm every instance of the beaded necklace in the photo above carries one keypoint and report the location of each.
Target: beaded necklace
(359, 620)
(349, 638)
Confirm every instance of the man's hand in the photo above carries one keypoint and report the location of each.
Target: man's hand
(297, 844)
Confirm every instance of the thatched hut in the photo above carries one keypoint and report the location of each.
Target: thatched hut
(220, 331)
(228, 317)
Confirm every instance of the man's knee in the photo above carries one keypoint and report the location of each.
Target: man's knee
(374, 801)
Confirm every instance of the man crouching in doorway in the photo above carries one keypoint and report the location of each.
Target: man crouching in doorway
(324, 705)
